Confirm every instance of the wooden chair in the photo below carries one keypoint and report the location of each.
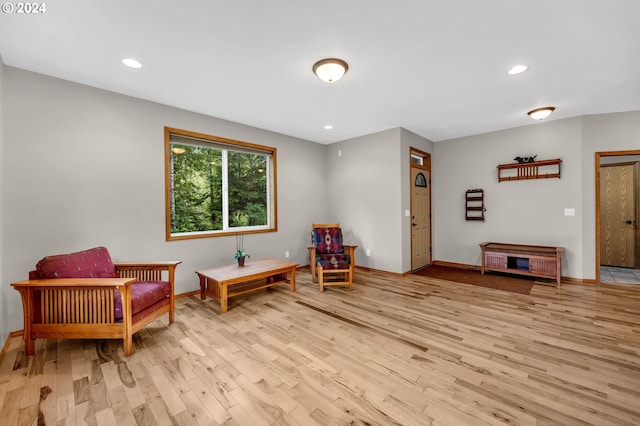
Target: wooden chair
(331, 263)
(84, 295)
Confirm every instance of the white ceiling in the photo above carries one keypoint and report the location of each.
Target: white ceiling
(435, 67)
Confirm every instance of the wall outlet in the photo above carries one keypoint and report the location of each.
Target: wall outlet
(368, 252)
(569, 212)
(286, 254)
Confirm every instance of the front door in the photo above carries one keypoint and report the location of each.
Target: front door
(420, 218)
(618, 215)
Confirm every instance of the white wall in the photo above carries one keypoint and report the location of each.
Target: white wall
(368, 187)
(526, 212)
(5, 327)
(84, 167)
(363, 185)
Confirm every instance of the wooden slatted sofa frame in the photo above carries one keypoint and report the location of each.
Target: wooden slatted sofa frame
(75, 307)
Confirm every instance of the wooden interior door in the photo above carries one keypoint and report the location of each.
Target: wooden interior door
(420, 218)
(618, 214)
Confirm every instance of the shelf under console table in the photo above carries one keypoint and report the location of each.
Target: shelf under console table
(537, 261)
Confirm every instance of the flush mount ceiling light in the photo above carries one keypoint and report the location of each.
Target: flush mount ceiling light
(328, 127)
(132, 63)
(518, 69)
(540, 113)
(330, 70)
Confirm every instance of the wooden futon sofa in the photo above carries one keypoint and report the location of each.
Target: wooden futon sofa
(84, 295)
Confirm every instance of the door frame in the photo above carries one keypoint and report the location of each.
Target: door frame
(426, 165)
(597, 165)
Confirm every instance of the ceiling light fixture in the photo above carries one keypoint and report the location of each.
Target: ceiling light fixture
(518, 69)
(328, 127)
(540, 113)
(330, 70)
(132, 63)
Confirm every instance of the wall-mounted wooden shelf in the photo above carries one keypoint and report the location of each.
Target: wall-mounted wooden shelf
(544, 169)
(474, 204)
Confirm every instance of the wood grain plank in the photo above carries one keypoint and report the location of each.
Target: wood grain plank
(395, 350)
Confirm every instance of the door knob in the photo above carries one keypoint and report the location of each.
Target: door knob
(628, 222)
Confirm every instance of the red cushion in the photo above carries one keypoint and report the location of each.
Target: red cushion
(92, 263)
(143, 295)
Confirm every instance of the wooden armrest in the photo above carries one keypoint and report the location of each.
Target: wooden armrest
(165, 265)
(75, 282)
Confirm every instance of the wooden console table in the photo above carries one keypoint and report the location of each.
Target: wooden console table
(538, 261)
(233, 280)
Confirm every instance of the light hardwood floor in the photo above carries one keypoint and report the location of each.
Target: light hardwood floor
(412, 350)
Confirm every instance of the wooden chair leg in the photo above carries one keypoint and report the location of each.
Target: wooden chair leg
(127, 343)
(320, 277)
(29, 346)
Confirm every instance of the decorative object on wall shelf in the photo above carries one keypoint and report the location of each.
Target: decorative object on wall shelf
(523, 160)
(475, 204)
(543, 169)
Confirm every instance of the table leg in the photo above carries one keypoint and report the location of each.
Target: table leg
(223, 297)
(292, 281)
(203, 287)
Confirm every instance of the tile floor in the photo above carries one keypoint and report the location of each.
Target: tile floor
(612, 274)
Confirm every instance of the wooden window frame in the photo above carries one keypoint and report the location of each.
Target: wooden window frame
(272, 186)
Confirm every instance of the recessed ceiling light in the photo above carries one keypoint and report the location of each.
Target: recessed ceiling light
(132, 63)
(518, 69)
(540, 113)
(328, 127)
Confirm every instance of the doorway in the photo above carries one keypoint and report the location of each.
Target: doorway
(617, 217)
(420, 209)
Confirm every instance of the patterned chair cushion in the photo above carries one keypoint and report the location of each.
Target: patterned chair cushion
(333, 261)
(92, 263)
(327, 240)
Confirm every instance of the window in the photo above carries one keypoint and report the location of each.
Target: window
(420, 180)
(417, 159)
(217, 186)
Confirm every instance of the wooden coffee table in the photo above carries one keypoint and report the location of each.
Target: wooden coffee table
(233, 280)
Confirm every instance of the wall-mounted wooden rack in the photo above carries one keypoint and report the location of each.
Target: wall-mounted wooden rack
(474, 204)
(544, 169)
